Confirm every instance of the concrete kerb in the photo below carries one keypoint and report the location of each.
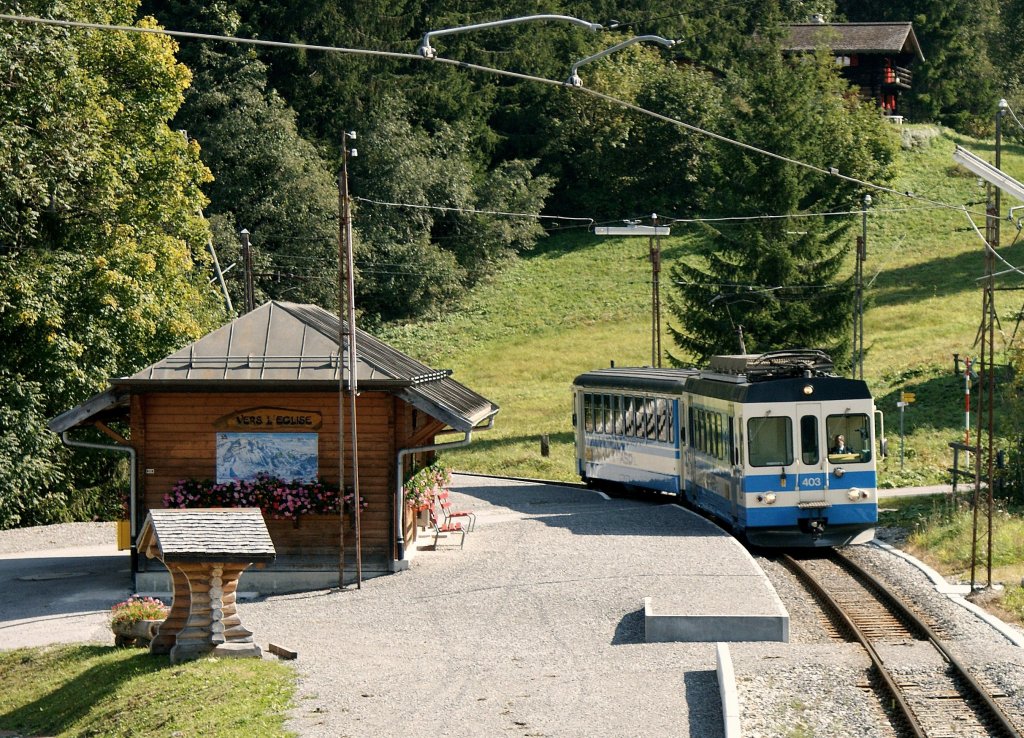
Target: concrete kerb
(727, 691)
(956, 593)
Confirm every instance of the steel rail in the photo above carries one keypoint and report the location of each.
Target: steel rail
(978, 691)
(889, 684)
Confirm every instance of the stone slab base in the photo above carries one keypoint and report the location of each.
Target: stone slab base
(680, 626)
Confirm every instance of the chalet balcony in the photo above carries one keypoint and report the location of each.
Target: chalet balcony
(897, 77)
(880, 78)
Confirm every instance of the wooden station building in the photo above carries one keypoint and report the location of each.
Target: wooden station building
(261, 394)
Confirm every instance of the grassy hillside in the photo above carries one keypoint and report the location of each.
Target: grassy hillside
(580, 301)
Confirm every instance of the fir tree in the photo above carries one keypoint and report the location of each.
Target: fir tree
(780, 280)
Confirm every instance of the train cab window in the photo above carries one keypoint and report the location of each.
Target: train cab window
(809, 439)
(770, 441)
(849, 438)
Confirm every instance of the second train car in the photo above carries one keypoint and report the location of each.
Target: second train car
(776, 446)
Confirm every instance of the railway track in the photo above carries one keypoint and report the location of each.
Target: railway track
(946, 701)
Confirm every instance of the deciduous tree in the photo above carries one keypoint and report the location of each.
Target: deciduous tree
(102, 250)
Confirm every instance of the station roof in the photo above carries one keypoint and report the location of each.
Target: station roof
(854, 38)
(290, 346)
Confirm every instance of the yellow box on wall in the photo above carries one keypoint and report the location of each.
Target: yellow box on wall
(124, 535)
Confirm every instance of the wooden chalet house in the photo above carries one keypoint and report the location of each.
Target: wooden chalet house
(261, 394)
(875, 57)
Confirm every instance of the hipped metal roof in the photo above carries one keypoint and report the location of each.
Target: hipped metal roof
(854, 38)
(289, 346)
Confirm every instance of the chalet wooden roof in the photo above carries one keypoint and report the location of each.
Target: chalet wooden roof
(229, 535)
(854, 38)
(283, 345)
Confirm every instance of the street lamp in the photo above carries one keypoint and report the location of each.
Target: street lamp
(574, 78)
(429, 52)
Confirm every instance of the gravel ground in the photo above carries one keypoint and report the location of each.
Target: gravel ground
(535, 628)
(64, 535)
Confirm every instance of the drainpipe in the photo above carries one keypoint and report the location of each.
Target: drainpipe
(131, 485)
(399, 497)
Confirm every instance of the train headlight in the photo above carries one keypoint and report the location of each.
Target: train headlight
(857, 494)
(768, 499)
(808, 389)
(839, 472)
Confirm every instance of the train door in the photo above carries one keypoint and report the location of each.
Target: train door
(811, 476)
(732, 450)
(686, 445)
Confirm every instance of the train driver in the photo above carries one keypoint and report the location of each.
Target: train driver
(840, 447)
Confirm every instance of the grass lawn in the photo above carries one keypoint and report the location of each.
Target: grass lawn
(66, 691)
(941, 532)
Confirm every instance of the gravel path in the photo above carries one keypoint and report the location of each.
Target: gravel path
(535, 628)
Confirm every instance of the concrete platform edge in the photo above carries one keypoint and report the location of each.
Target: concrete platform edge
(727, 691)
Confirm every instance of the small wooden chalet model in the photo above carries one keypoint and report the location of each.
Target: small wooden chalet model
(875, 57)
(261, 395)
(205, 552)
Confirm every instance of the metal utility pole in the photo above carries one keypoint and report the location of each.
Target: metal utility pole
(655, 249)
(858, 316)
(343, 226)
(219, 274)
(346, 297)
(654, 233)
(250, 288)
(986, 334)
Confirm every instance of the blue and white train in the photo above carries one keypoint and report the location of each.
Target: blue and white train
(776, 446)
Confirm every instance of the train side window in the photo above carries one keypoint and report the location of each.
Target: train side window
(588, 412)
(809, 439)
(628, 415)
(664, 420)
(718, 436)
(770, 441)
(700, 440)
(651, 410)
(849, 438)
(617, 420)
